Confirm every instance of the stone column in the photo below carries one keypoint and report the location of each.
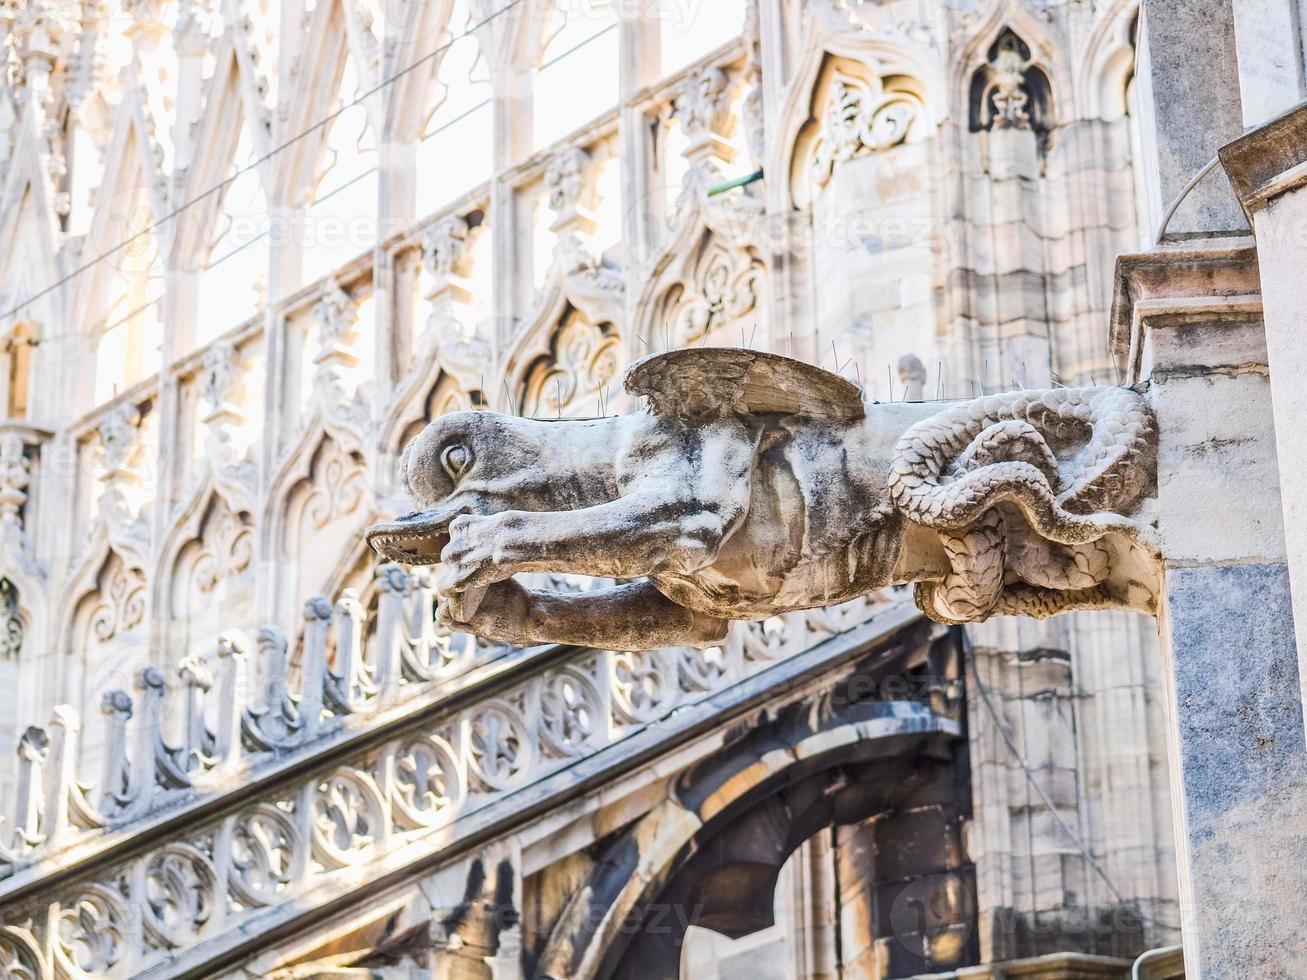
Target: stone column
(1268, 170)
(1189, 102)
(1188, 322)
(1268, 38)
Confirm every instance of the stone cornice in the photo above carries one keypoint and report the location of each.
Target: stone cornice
(1184, 279)
(1269, 161)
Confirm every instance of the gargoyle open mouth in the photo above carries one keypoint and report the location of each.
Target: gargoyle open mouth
(414, 539)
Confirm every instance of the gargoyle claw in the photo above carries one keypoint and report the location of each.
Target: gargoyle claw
(468, 559)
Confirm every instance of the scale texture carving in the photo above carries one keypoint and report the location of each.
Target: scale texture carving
(753, 485)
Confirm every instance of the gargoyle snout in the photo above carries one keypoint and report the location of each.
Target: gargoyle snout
(414, 539)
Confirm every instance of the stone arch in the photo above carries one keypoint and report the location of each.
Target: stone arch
(575, 331)
(122, 297)
(1109, 63)
(335, 34)
(706, 283)
(322, 496)
(884, 79)
(409, 97)
(581, 367)
(1010, 89)
(421, 403)
(222, 243)
(205, 582)
(106, 618)
(719, 839)
(1046, 55)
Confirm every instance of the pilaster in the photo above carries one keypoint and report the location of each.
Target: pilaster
(1268, 170)
(1191, 321)
(1189, 102)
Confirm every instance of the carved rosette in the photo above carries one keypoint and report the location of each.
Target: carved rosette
(644, 685)
(267, 855)
(428, 782)
(501, 750)
(349, 818)
(570, 712)
(180, 889)
(91, 936)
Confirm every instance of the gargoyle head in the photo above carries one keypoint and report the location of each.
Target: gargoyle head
(462, 463)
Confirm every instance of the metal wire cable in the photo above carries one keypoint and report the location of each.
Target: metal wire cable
(226, 182)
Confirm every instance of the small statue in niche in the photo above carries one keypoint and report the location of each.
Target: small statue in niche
(753, 484)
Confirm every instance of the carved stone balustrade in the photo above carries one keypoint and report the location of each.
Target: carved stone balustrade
(268, 810)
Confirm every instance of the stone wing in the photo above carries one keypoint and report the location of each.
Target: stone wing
(697, 380)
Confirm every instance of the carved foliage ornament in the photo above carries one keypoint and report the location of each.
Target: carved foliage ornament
(859, 116)
(337, 486)
(226, 547)
(14, 477)
(121, 605)
(723, 287)
(584, 360)
(11, 622)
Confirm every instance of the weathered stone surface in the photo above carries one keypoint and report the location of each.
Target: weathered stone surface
(1267, 169)
(1243, 769)
(756, 485)
(1188, 114)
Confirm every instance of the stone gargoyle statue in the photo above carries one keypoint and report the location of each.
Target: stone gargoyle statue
(753, 484)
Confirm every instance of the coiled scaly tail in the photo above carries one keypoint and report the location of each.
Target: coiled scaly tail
(1065, 464)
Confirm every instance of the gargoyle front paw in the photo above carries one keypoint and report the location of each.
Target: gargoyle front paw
(494, 612)
(469, 561)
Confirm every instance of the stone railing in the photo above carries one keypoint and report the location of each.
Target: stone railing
(343, 683)
(265, 809)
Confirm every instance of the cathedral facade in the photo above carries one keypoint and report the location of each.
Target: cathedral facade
(250, 248)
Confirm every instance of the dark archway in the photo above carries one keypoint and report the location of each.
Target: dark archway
(841, 757)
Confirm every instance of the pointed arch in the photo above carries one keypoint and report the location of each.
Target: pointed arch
(589, 307)
(120, 297)
(29, 235)
(787, 770)
(422, 401)
(223, 241)
(708, 281)
(335, 34)
(450, 116)
(890, 64)
(320, 496)
(105, 616)
(426, 33)
(1108, 63)
(197, 526)
(233, 102)
(204, 580)
(574, 59)
(1045, 55)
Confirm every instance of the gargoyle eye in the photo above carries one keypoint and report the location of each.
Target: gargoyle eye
(456, 460)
